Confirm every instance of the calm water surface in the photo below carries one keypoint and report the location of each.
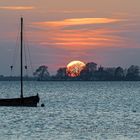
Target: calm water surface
(73, 111)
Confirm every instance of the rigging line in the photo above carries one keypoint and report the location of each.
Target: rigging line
(25, 56)
(25, 52)
(30, 60)
(16, 49)
(29, 55)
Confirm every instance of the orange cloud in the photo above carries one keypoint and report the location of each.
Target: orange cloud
(17, 7)
(80, 39)
(77, 21)
(71, 11)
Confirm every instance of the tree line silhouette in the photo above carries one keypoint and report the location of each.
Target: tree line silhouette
(90, 73)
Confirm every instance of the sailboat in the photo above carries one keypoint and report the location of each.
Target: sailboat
(22, 101)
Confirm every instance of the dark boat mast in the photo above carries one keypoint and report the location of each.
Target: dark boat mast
(21, 58)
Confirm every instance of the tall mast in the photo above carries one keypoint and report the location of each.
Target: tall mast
(21, 58)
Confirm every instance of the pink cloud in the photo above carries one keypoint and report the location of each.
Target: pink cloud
(77, 21)
(17, 7)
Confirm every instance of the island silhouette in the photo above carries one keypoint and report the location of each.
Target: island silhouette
(91, 72)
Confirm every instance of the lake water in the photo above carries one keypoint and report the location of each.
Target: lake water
(73, 111)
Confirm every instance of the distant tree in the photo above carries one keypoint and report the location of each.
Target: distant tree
(119, 73)
(1, 76)
(91, 66)
(132, 73)
(42, 73)
(84, 74)
(61, 74)
(101, 74)
(110, 71)
(88, 72)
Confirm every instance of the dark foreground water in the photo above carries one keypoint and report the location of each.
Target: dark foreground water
(73, 111)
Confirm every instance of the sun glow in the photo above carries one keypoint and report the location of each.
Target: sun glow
(74, 68)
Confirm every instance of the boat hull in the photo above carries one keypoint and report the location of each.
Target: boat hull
(22, 102)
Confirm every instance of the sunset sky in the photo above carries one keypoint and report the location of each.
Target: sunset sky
(58, 31)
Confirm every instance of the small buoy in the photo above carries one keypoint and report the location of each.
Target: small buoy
(42, 105)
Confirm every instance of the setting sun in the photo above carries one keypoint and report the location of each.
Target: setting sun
(74, 68)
